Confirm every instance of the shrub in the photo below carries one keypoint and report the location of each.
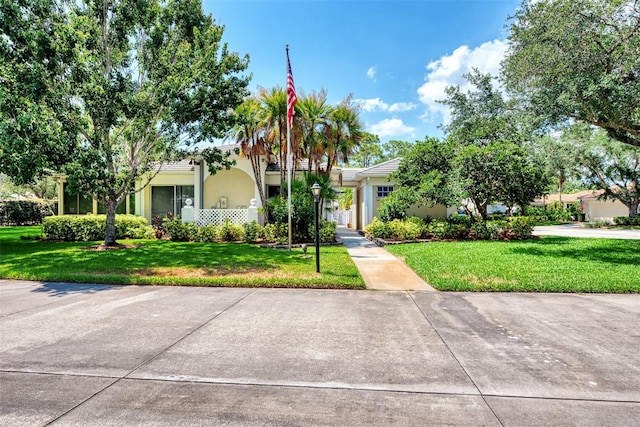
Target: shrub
(447, 229)
(23, 212)
(327, 233)
(92, 227)
(520, 227)
(206, 233)
(230, 232)
(392, 207)
(276, 233)
(378, 229)
(405, 230)
(179, 231)
(627, 220)
(252, 231)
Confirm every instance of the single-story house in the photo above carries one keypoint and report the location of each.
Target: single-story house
(594, 209)
(187, 184)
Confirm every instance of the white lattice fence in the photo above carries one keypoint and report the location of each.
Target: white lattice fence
(218, 216)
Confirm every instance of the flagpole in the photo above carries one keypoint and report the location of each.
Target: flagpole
(288, 158)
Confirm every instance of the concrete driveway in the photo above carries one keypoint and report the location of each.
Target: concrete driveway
(102, 355)
(577, 230)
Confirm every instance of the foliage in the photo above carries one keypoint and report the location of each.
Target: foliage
(422, 176)
(91, 227)
(276, 233)
(368, 152)
(454, 228)
(578, 60)
(327, 232)
(230, 232)
(394, 206)
(251, 232)
(23, 212)
(162, 262)
(626, 220)
(612, 166)
(118, 92)
(578, 265)
(302, 206)
(491, 160)
(396, 148)
(179, 231)
(345, 199)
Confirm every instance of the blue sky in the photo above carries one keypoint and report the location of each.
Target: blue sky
(394, 56)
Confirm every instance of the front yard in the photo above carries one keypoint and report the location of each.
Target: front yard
(161, 262)
(547, 264)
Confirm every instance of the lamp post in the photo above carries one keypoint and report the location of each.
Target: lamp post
(315, 188)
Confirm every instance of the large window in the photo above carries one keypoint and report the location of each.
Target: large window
(169, 199)
(122, 207)
(384, 191)
(77, 204)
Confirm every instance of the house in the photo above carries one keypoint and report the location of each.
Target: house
(187, 188)
(594, 209)
(371, 185)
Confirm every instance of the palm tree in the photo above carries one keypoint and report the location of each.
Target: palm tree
(313, 122)
(274, 103)
(343, 134)
(250, 132)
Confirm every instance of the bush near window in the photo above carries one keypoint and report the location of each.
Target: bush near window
(456, 228)
(23, 212)
(92, 227)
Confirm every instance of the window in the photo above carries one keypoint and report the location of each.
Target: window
(77, 204)
(169, 199)
(122, 207)
(384, 191)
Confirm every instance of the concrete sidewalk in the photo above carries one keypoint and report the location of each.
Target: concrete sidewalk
(379, 269)
(93, 355)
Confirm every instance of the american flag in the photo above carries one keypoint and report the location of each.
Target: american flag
(292, 99)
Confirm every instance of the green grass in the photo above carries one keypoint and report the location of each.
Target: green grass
(163, 262)
(548, 264)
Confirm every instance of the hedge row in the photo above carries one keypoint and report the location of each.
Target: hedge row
(228, 232)
(92, 227)
(440, 229)
(23, 212)
(627, 220)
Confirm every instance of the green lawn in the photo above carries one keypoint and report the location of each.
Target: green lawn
(548, 264)
(171, 263)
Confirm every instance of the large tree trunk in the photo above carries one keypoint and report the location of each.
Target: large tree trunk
(633, 208)
(110, 231)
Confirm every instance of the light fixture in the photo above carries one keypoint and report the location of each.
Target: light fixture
(315, 189)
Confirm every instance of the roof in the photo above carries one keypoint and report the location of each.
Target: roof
(569, 198)
(382, 169)
(185, 165)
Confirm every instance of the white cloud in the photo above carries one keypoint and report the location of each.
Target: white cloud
(371, 73)
(450, 69)
(401, 107)
(390, 127)
(376, 104)
(372, 104)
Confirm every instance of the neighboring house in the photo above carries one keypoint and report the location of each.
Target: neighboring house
(593, 208)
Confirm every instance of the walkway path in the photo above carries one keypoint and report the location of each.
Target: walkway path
(379, 269)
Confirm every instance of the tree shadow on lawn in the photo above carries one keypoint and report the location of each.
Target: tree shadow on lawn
(610, 251)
